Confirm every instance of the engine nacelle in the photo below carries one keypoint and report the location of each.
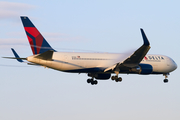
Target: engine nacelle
(100, 76)
(143, 69)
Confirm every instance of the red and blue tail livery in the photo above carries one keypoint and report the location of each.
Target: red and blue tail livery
(36, 40)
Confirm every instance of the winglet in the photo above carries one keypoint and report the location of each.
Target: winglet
(146, 42)
(16, 55)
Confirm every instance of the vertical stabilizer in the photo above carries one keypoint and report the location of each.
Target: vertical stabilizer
(36, 40)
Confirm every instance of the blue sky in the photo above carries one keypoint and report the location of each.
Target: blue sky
(28, 92)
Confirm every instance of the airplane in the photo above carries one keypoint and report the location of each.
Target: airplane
(97, 66)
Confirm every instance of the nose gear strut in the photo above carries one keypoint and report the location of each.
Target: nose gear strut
(166, 76)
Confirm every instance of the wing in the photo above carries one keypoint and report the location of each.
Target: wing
(134, 59)
(139, 54)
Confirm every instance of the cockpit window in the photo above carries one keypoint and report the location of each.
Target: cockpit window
(173, 61)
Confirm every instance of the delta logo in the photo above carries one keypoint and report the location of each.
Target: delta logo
(153, 58)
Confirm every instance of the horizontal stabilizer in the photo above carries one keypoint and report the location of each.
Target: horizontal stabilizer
(16, 56)
(21, 59)
(46, 55)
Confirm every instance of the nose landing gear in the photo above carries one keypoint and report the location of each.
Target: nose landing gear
(165, 80)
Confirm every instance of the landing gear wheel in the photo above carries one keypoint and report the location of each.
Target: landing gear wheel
(118, 79)
(166, 75)
(89, 80)
(113, 78)
(165, 80)
(94, 82)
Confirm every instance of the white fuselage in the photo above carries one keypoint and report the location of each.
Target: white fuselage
(98, 62)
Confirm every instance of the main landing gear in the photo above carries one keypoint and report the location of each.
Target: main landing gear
(92, 81)
(165, 80)
(116, 78)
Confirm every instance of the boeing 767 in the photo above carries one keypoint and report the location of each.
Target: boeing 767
(97, 66)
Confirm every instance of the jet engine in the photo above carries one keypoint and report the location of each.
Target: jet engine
(143, 69)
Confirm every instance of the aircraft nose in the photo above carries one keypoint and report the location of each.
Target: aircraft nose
(174, 65)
